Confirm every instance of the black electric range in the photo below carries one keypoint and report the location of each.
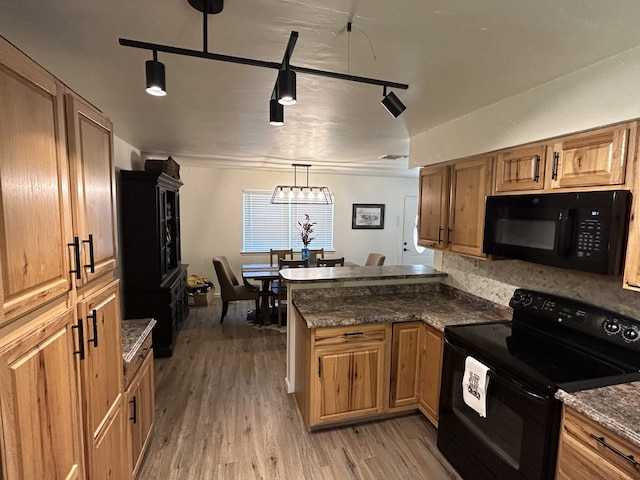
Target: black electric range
(552, 342)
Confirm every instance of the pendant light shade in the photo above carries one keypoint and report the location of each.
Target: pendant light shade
(392, 103)
(286, 87)
(155, 78)
(276, 112)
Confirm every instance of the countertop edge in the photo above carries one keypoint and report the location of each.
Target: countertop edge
(142, 329)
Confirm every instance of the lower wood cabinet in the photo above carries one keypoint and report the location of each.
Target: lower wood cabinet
(141, 409)
(406, 352)
(344, 372)
(362, 371)
(589, 451)
(102, 387)
(40, 422)
(431, 348)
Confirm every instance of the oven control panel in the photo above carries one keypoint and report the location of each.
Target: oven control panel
(595, 321)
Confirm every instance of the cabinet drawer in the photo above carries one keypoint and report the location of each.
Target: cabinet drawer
(132, 367)
(602, 444)
(350, 335)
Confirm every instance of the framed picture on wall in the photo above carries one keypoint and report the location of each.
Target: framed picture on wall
(367, 215)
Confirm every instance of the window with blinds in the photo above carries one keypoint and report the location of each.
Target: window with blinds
(266, 226)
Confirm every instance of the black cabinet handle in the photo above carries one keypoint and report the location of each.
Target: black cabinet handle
(449, 232)
(134, 404)
(319, 367)
(440, 234)
(92, 265)
(145, 352)
(80, 328)
(603, 442)
(556, 160)
(536, 168)
(94, 317)
(76, 246)
(352, 334)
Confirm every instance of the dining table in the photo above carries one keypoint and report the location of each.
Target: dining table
(265, 273)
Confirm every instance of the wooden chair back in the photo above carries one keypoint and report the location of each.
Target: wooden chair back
(330, 262)
(275, 255)
(314, 254)
(292, 264)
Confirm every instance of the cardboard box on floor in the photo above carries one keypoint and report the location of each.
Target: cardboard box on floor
(201, 299)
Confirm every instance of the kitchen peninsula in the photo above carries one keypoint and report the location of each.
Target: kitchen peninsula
(376, 335)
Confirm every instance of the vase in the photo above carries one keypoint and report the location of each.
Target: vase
(306, 255)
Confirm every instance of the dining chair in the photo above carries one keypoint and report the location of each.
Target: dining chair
(374, 259)
(275, 255)
(230, 289)
(280, 289)
(314, 254)
(330, 262)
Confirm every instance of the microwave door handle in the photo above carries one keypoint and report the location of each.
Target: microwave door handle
(564, 233)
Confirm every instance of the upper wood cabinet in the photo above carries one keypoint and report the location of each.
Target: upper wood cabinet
(470, 184)
(451, 208)
(90, 137)
(521, 168)
(35, 220)
(592, 158)
(433, 208)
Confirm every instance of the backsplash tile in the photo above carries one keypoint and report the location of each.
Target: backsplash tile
(496, 280)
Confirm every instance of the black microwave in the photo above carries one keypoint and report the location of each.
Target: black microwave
(580, 230)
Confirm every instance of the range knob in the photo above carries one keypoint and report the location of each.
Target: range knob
(526, 300)
(611, 327)
(517, 296)
(631, 335)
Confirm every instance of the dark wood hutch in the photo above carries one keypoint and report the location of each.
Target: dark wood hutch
(155, 280)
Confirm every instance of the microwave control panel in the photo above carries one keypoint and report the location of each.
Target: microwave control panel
(589, 236)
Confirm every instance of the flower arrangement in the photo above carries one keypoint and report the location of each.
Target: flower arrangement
(306, 229)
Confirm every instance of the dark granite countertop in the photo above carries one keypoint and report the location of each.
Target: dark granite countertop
(134, 333)
(435, 304)
(616, 407)
(338, 274)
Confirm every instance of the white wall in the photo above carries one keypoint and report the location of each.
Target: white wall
(211, 214)
(600, 94)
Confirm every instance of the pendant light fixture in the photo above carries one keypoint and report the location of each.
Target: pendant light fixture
(301, 194)
(156, 85)
(286, 86)
(392, 103)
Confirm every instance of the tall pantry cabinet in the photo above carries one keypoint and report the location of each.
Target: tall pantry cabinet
(61, 389)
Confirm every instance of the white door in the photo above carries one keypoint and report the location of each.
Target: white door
(412, 253)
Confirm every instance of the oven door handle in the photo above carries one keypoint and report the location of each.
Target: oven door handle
(504, 379)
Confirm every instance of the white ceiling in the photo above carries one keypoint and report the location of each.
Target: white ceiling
(456, 55)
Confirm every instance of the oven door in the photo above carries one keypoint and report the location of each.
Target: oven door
(518, 438)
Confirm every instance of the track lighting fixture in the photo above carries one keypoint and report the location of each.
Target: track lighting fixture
(286, 82)
(276, 112)
(156, 85)
(392, 103)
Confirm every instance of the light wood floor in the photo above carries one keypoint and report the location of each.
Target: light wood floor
(222, 412)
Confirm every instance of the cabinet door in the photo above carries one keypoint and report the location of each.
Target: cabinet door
(92, 171)
(405, 364)
(432, 342)
(35, 210)
(349, 383)
(101, 372)
(471, 183)
(433, 209)
(589, 159)
(520, 169)
(39, 401)
(141, 411)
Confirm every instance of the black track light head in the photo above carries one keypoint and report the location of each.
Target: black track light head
(392, 103)
(276, 112)
(155, 78)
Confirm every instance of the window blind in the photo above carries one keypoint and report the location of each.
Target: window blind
(266, 226)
